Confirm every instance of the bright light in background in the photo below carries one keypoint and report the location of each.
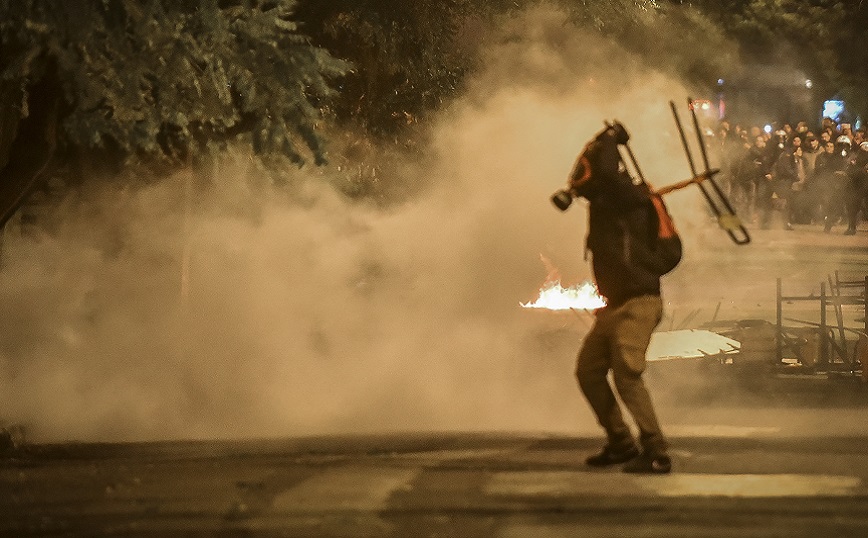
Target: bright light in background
(809, 84)
(767, 128)
(720, 82)
(833, 109)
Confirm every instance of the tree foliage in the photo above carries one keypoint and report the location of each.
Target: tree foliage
(169, 77)
(617, 18)
(657, 31)
(826, 38)
(408, 56)
(411, 57)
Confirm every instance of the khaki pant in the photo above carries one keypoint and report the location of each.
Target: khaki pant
(618, 342)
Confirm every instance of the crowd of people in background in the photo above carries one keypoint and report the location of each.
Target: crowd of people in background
(795, 175)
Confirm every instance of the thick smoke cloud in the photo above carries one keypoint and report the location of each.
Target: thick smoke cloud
(266, 316)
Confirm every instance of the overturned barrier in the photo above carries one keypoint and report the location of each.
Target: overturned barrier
(831, 351)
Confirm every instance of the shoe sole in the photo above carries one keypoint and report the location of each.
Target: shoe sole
(614, 461)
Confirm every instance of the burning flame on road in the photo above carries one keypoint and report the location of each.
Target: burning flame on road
(553, 296)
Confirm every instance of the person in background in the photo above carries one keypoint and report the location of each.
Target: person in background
(753, 175)
(856, 171)
(755, 131)
(822, 184)
(776, 145)
(802, 129)
(769, 194)
(829, 125)
(825, 137)
(836, 206)
(810, 151)
(741, 134)
(812, 192)
(847, 130)
(788, 182)
(726, 148)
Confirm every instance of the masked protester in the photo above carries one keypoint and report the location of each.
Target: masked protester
(622, 226)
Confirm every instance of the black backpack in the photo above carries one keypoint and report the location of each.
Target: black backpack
(666, 245)
(657, 248)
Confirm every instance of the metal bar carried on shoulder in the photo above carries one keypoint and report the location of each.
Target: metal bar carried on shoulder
(726, 216)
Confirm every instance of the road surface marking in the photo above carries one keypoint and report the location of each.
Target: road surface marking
(348, 488)
(719, 430)
(755, 485)
(457, 454)
(569, 483)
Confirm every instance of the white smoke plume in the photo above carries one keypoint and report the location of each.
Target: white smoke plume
(271, 316)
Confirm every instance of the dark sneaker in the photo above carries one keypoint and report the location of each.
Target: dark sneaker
(613, 455)
(850, 231)
(649, 465)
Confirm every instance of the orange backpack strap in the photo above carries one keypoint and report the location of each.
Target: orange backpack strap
(666, 227)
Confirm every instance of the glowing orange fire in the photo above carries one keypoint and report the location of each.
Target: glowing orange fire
(553, 296)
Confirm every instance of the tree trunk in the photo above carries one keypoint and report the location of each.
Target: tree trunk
(32, 149)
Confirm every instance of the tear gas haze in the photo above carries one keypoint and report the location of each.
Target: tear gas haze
(268, 316)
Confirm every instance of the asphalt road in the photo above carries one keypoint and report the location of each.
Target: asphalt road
(737, 482)
(739, 281)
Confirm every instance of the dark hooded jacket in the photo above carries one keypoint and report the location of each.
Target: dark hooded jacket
(622, 224)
